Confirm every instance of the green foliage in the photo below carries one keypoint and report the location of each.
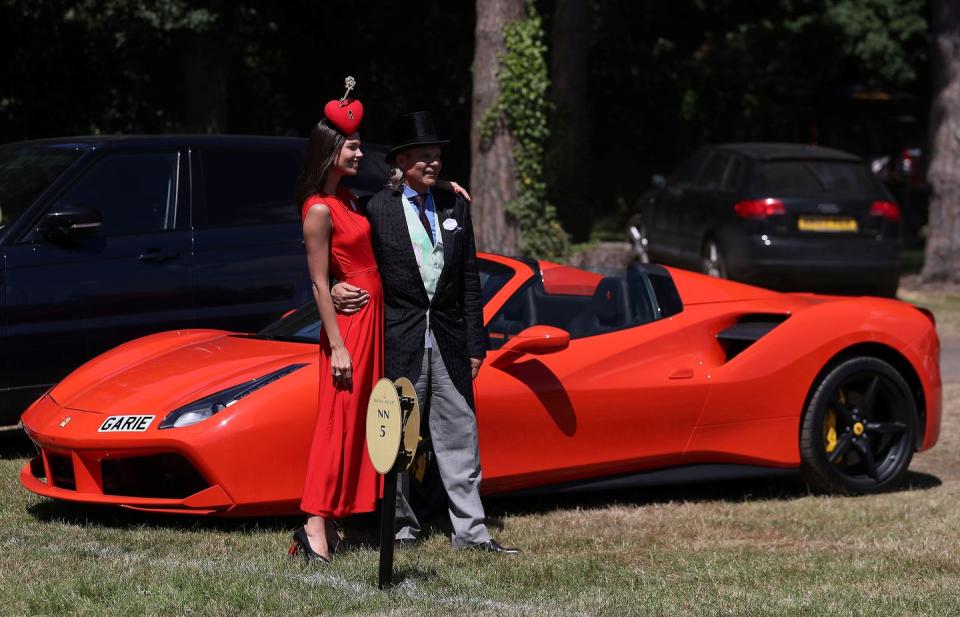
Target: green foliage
(674, 75)
(793, 54)
(163, 15)
(522, 109)
(878, 33)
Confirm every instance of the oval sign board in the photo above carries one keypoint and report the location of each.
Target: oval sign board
(384, 425)
(411, 430)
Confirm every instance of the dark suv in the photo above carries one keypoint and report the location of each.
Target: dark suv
(104, 239)
(785, 216)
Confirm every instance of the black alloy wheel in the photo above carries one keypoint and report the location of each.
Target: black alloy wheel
(858, 431)
(712, 260)
(638, 239)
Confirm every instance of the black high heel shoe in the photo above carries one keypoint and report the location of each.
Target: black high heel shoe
(301, 544)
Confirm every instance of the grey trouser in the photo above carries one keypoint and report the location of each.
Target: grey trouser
(453, 430)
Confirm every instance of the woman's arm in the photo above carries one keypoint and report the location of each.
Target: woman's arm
(450, 185)
(317, 227)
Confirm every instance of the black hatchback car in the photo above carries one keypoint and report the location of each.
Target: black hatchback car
(105, 239)
(785, 216)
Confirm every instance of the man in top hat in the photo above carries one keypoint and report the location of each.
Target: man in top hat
(423, 240)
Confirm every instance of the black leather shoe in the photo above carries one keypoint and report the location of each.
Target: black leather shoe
(301, 546)
(492, 546)
(405, 543)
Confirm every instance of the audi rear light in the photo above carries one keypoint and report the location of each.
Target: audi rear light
(759, 208)
(885, 209)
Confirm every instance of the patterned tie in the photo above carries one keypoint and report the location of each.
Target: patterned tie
(421, 201)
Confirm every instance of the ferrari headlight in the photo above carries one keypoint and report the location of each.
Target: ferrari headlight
(210, 405)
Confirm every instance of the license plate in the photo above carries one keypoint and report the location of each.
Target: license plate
(834, 224)
(126, 424)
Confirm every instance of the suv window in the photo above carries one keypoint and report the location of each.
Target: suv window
(134, 193)
(734, 174)
(712, 175)
(802, 178)
(249, 187)
(25, 173)
(686, 174)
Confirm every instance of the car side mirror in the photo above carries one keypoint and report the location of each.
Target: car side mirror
(69, 221)
(535, 340)
(658, 181)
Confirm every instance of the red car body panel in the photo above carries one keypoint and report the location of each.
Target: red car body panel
(659, 395)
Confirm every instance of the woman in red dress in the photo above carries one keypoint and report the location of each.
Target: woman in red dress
(340, 478)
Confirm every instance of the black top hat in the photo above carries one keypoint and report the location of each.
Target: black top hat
(415, 129)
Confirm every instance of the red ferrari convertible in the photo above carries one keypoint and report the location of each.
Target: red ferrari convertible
(657, 375)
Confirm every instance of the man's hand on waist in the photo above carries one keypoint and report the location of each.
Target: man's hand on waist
(348, 299)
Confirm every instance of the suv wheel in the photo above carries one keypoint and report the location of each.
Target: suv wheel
(713, 263)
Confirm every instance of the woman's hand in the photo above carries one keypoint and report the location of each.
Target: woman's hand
(459, 190)
(341, 368)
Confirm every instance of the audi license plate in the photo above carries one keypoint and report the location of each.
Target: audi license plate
(126, 424)
(830, 224)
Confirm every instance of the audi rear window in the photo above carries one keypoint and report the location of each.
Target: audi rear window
(818, 178)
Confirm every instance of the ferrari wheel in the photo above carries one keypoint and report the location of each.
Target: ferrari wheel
(858, 430)
(713, 261)
(637, 236)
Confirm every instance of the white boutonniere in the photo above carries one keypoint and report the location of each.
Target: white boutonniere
(451, 225)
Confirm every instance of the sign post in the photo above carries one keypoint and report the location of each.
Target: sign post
(393, 432)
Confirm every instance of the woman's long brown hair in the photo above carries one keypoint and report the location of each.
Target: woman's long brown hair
(325, 144)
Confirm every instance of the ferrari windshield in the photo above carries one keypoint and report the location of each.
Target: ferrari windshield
(303, 325)
(25, 172)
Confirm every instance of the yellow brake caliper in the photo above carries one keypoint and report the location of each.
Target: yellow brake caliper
(830, 433)
(830, 426)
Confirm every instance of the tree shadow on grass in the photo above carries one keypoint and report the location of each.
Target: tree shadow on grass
(785, 487)
(93, 515)
(363, 529)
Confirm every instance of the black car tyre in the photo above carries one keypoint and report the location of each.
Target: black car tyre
(712, 260)
(859, 429)
(638, 239)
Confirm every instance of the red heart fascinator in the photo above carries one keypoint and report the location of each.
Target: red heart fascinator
(345, 114)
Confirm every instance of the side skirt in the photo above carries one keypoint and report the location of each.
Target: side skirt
(687, 474)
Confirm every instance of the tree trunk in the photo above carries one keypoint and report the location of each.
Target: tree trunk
(204, 64)
(568, 72)
(942, 262)
(493, 178)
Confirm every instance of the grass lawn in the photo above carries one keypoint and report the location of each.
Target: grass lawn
(735, 548)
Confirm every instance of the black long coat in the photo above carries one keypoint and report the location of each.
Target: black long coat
(456, 312)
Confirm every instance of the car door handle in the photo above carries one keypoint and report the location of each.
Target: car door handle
(682, 373)
(158, 255)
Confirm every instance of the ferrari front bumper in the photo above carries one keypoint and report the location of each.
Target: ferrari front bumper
(207, 501)
(130, 471)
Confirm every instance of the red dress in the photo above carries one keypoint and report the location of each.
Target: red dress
(340, 478)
